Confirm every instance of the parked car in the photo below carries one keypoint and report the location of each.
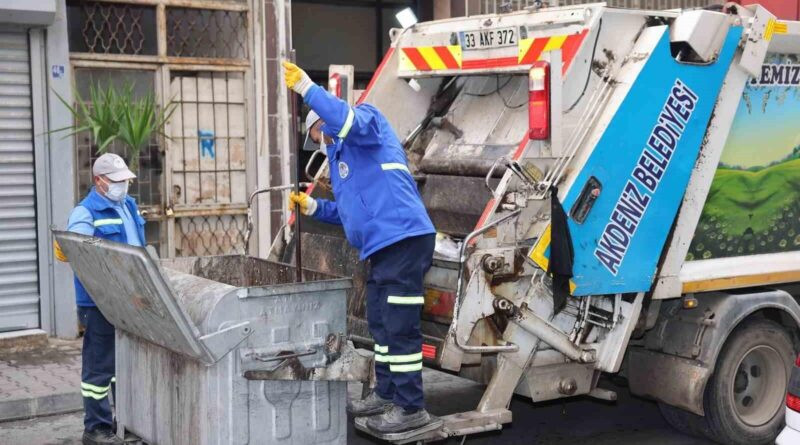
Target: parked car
(791, 433)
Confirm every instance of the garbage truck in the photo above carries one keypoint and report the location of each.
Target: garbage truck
(615, 191)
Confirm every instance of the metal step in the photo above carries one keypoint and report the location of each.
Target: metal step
(430, 432)
(452, 425)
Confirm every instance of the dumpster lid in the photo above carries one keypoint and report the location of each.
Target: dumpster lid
(131, 290)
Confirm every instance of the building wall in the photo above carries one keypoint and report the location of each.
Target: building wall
(59, 315)
(44, 23)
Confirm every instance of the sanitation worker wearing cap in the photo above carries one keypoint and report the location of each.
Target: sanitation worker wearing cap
(379, 206)
(107, 212)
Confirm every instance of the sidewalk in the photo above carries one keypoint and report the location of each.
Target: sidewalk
(41, 381)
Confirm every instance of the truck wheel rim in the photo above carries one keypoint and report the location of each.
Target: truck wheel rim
(758, 386)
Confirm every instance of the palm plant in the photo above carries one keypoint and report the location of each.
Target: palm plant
(113, 114)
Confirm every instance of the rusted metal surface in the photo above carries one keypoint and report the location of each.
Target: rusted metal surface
(351, 365)
(209, 65)
(114, 58)
(78, 62)
(228, 5)
(240, 270)
(221, 209)
(464, 160)
(454, 203)
(334, 256)
(184, 63)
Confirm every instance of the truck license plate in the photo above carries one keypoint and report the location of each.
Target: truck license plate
(487, 39)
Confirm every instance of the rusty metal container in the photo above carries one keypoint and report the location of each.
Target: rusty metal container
(221, 350)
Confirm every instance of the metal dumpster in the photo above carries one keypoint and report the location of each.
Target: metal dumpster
(221, 350)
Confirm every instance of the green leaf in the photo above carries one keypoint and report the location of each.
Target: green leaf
(112, 114)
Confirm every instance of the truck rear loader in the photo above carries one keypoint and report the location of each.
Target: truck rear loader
(615, 191)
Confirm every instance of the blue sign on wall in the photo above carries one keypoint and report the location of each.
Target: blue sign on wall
(206, 143)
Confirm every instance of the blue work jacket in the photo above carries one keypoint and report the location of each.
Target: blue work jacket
(99, 216)
(377, 200)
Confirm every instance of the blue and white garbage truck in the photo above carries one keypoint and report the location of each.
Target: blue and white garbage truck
(615, 191)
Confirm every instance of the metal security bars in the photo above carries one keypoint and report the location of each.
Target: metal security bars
(206, 33)
(111, 28)
(209, 235)
(207, 139)
(208, 162)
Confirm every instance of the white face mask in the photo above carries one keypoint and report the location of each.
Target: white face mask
(117, 190)
(322, 144)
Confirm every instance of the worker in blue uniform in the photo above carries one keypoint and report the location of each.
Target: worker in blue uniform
(107, 212)
(380, 208)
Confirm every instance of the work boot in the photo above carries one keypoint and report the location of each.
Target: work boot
(101, 436)
(369, 406)
(397, 420)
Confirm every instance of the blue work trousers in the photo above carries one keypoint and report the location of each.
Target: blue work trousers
(97, 373)
(395, 298)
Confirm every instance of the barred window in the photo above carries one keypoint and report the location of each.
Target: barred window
(206, 33)
(111, 28)
(207, 138)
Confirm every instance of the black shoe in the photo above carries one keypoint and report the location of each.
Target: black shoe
(101, 436)
(369, 406)
(396, 420)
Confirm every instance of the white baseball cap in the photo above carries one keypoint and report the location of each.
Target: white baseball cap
(113, 167)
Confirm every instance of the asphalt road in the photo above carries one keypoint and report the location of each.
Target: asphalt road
(578, 420)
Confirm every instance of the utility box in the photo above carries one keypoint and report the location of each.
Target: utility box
(221, 350)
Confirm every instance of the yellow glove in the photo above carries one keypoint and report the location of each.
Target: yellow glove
(296, 79)
(308, 205)
(58, 253)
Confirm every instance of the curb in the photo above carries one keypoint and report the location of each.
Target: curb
(40, 406)
(18, 341)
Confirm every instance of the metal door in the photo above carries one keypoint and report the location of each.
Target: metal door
(19, 287)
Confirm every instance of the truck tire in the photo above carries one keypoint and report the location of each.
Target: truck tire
(744, 398)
